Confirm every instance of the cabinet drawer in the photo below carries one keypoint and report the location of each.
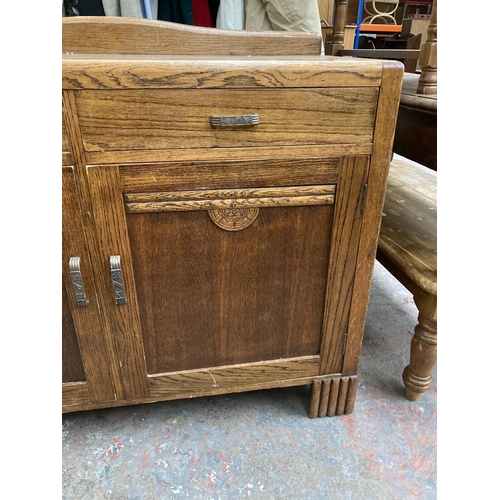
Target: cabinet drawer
(180, 119)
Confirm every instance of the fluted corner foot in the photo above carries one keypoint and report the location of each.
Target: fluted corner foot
(333, 396)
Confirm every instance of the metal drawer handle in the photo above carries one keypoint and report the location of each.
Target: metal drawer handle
(77, 282)
(231, 121)
(117, 280)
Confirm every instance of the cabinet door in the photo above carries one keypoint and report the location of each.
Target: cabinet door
(86, 371)
(245, 283)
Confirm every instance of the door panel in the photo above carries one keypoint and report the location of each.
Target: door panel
(210, 297)
(86, 356)
(233, 279)
(72, 366)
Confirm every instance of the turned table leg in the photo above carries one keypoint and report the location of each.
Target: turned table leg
(423, 353)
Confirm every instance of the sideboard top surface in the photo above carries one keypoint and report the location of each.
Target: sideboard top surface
(105, 71)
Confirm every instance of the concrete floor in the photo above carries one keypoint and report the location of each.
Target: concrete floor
(262, 444)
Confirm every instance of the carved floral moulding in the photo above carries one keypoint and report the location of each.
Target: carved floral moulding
(236, 205)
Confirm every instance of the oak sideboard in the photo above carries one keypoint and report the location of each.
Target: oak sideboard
(220, 223)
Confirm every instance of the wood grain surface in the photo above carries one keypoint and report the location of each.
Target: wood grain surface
(333, 396)
(264, 154)
(343, 261)
(179, 201)
(83, 342)
(72, 366)
(84, 214)
(263, 173)
(161, 119)
(209, 297)
(383, 138)
(204, 72)
(231, 194)
(100, 35)
(67, 159)
(76, 395)
(408, 234)
(186, 205)
(111, 230)
(194, 381)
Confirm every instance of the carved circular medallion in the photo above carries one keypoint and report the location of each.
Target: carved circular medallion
(233, 219)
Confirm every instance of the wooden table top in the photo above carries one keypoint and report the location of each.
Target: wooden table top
(408, 234)
(410, 98)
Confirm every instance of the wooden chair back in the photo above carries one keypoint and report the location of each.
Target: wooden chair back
(120, 35)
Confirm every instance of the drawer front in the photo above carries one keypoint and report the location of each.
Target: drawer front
(180, 119)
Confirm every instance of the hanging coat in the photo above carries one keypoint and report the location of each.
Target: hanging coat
(176, 11)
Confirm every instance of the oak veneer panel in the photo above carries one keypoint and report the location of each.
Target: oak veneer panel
(76, 394)
(193, 382)
(209, 297)
(161, 119)
(190, 72)
(67, 158)
(96, 35)
(65, 143)
(343, 260)
(210, 391)
(228, 174)
(85, 322)
(111, 230)
(138, 156)
(72, 366)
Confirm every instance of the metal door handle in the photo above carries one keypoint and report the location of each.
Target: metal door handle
(77, 282)
(231, 121)
(117, 280)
